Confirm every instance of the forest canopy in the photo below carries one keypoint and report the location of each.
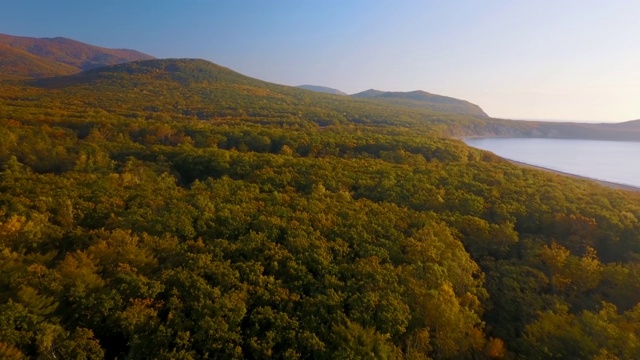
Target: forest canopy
(174, 209)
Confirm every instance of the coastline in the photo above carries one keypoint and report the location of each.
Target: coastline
(608, 184)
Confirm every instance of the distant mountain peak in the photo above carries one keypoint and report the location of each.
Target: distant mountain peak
(322, 89)
(368, 93)
(423, 99)
(27, 57)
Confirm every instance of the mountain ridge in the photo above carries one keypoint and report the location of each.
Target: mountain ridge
(19, 64)
(423, 99)
(218, 85)
(322, 89)
(28, 57)
(189, 80)
(185, 71)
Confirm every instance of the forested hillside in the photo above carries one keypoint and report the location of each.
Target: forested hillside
(26, 57)
(423, 99)
(174, 209)
(322, 89)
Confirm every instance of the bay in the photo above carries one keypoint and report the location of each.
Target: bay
(612, 161)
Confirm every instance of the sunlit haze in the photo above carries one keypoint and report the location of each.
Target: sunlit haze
(571, 60)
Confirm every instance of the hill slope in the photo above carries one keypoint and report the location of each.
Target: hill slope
(424, 99)
(20, 64)
(322, 89)
(201, 89)
(204, 90)
(25, 57)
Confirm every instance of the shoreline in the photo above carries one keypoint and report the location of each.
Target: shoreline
(608, 184)
(611, 185)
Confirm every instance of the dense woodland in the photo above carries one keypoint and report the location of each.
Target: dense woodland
(173, 209)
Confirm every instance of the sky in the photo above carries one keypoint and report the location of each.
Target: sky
(527, 59)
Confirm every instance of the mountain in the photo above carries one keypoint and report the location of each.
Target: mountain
(20, 64)
(322, 89)
(201, 89)
(367, 94)
(423, 99)
(204, 90)
(184, 72)
(26, 57)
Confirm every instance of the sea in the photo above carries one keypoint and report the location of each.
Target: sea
(612, 161)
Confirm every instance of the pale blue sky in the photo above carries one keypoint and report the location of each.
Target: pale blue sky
(524, 59)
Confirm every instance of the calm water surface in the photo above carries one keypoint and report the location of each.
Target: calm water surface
(614, 161)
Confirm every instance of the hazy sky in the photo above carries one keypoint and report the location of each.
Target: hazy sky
(521, 59)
